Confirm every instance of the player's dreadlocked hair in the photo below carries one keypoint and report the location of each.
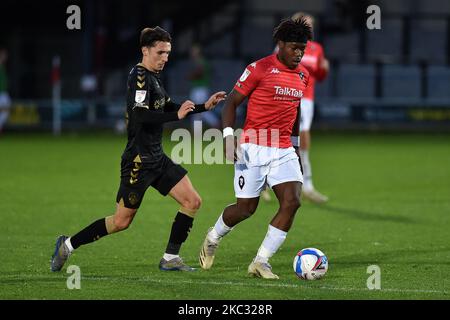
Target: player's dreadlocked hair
(293, 30)
(150, 35)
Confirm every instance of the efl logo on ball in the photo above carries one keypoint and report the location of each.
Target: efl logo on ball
(310, 264)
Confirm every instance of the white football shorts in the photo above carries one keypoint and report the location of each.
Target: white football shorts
(307, 114)
(261, 165)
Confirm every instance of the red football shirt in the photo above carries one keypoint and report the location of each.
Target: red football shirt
(274, 92)
(312, 60)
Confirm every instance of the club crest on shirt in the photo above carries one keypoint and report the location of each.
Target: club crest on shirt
(302, 75)
(159, 103)
(140, 96)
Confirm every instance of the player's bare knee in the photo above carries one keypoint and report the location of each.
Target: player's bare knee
(246, 214)
(298, 203)
(291, 204)
(197, 202)
(246, 210)
(121, 223)
(192, 203)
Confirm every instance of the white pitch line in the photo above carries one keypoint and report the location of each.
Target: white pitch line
(231, 283)
(278, 285)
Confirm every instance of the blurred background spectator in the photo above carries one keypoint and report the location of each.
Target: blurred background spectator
(200, 80)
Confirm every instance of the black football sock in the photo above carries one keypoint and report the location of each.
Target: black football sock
(89, 234)
(179, 233)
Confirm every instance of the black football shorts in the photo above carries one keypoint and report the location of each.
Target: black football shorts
(136, 179)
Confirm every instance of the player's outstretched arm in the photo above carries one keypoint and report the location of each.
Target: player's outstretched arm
(215, 99)
(187, 107)
(233, 100)
(145, 115)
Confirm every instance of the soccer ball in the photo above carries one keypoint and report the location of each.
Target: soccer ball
(310, 264)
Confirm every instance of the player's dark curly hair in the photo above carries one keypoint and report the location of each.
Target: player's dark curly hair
(290, 30)
(150, 35)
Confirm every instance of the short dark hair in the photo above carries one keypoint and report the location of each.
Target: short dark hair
(150, 35)
(290, 30)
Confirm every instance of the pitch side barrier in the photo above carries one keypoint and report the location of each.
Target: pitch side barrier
(82, 114)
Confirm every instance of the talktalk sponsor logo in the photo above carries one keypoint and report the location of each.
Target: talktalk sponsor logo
(285, 91)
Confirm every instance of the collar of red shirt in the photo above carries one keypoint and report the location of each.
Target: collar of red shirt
(282, 66)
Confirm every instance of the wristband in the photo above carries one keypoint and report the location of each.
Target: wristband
(295, 141)
(228, 131)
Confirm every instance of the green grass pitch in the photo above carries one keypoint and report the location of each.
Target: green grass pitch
(390, 206)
